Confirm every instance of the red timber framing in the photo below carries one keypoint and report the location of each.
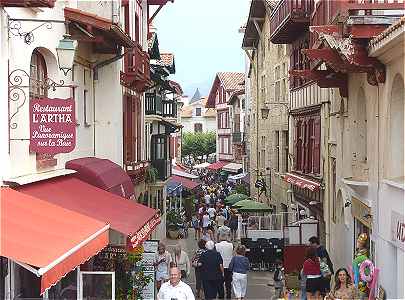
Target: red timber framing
(132, 129)
(136, 74)
(105, 36)
(338, 36)
(307, 141)
(27, 3)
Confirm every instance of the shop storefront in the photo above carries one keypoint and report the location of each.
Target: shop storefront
(308, 196)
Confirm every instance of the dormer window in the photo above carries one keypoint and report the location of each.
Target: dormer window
(198, 112)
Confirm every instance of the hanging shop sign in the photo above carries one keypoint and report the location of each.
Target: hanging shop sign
(397, 229)
(137, 238)
(52, 125)
(301, 182)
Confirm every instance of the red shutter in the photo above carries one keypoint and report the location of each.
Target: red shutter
(303, 145)
(139, 129)
(297, 145)
(127, 129)
(317, 145)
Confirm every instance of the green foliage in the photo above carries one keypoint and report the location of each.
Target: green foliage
(173, 218)
(151, 175)
(198, 144)
(130, 284)
(241, 189)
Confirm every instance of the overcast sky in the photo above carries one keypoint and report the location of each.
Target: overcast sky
(204, 37)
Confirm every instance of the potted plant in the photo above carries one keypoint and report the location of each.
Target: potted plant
(173, 218)
(151, 174)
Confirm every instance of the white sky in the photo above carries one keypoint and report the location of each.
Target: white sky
(204, 37)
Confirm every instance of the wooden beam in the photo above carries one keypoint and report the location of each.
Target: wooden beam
(155, 14)
(249, 55)
(259, 30)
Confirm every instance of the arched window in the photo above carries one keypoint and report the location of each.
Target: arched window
(38, 74)
(396, 129)
(361, 127)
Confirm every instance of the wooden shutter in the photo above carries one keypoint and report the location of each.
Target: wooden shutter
(296, 145)
(139, 129)
(317, 145)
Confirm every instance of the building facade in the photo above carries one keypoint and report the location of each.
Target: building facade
(195, 117)
(268, 110)
(347, 77)
(104, 86)
(225, 83)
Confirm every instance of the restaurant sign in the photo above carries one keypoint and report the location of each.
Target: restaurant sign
(52, 125)
(137, 238)
(302, 183)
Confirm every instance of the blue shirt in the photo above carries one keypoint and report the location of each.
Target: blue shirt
(239, 264)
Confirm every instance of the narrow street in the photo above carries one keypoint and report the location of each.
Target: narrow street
(258, 281)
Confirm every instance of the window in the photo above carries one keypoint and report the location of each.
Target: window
(224, 145)
(285, 150)
(132, 129)
(263, 87)
(38, 74)
(223, 119)
(277, 151)
(198, 111)
(158, 147)
(307, 143)
(198, 127)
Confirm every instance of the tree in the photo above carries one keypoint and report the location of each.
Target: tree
(198, 144)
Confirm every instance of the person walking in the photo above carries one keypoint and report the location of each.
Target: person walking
(197, 269)
(161, 264)
(224, 230)
(239, 266)
(278, 278)
(225, 248)
(175, 288)
(343, 288)
(312, 271)
(233, 224)
(323, 254)
(212, 271)
(205, 221)
(181, 260)
(195, 222)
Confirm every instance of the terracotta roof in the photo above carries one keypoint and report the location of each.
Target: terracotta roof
(387, 32)
(187, 111)
(166, 59)
(231, 80)
(176, 86)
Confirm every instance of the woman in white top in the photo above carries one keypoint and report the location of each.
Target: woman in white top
(162, 263)
(181, 260)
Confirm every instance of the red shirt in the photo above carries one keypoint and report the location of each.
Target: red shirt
(312, 267)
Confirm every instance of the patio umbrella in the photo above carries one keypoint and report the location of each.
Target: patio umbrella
(252, 206)
(233, 198)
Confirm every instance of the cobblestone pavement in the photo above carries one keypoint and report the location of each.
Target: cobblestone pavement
(258, 288)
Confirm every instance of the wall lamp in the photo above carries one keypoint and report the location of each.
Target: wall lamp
(66, 53)
(347, 204)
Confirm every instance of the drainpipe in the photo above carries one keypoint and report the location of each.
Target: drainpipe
(327, 181)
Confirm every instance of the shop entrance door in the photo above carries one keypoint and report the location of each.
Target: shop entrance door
(97, 285)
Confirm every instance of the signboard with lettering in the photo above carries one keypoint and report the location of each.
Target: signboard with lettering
(397, 229)
(362, 212)
(52, 125)
(301, 182)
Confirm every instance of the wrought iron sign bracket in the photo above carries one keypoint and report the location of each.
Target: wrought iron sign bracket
(15, 28)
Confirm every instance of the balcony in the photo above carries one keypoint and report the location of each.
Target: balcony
(156, 105)
(163, 167)
(237, 137)
(136, 73)
(27, 3)
(153, 104)
(289, 20)
(137, 171)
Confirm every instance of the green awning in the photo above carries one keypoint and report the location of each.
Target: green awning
(233, 198)
(248, 205)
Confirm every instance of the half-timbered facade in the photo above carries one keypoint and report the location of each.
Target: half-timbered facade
(225, 83)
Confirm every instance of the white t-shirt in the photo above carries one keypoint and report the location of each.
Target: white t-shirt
(205, 220)
(180, 292)
(211, 211)
(207, 199)
(226, 250)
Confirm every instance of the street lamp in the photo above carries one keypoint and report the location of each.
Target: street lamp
(66, 53)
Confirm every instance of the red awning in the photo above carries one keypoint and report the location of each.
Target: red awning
(128, 217)
(218, 165)
(103, 174)
(302, 182)
(186, 183)
(47, 239)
